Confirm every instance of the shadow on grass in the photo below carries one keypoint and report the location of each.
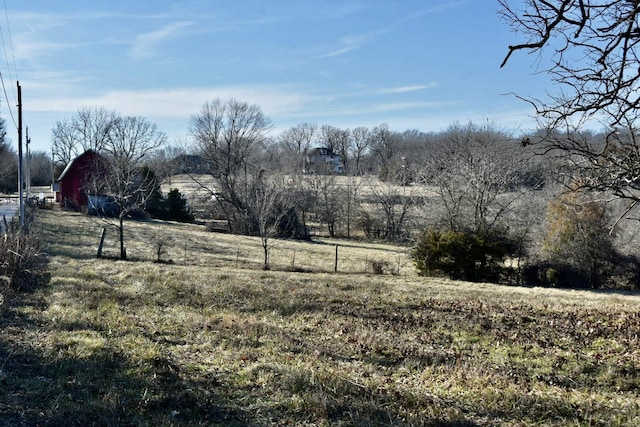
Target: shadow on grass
(106, 386)
(55, 387)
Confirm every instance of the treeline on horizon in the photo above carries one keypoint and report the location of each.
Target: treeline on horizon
(467, 198)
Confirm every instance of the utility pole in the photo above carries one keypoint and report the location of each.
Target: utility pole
(20, 171)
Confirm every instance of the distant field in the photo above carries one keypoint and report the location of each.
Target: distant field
(197, 185)
(190, 185)
(368, 189)
(192, 245)
(213, 340)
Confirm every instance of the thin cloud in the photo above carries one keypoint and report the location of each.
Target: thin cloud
(355, 41)
(341, 10)
(177, 103)
(145, 44)
(365, 92)
(368, 36)
(405, 89)
(362, 38)
(35, 50)
(30, 47)
(395, 106)
(436, 9)
(54, 81)
(368, 109)
(338, 52)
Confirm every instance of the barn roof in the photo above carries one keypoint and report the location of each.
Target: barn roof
(75, 161)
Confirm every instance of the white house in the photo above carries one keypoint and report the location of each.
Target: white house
(323, 160)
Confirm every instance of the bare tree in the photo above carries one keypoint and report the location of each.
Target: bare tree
(8, 162)
(413, 146)
(123, 176)
(383, 146)
(328, 136)
(297, 142)
(361, 141)
(94, 127)
(328, 200)
(298, 138)
(344, 146)
(273, 202)
(40, 168)
(606, 164)
(474, 171)
(229, 135)
(88, 129)
(392, 206)
(351, 201)
(66, 144)
(594, 55)
(593, 59)
(8, 168)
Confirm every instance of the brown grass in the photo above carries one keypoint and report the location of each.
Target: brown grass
(193, 185)
(192, 245)
(205, 343)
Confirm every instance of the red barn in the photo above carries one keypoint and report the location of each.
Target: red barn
(72, 191)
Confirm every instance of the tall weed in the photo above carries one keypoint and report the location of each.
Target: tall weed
(23, 264)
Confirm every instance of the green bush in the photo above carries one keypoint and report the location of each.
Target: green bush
(463, 255)
(172, 208)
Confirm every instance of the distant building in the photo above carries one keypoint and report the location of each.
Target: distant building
(71, 186)
(323, 160)
(190, 164)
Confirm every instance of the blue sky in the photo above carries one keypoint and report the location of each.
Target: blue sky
(413, 64)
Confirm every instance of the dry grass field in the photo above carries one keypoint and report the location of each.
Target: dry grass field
(367, 185)
(211, 339)
(77, 236)
(369, 191)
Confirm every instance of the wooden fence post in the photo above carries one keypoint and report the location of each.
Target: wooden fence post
(102, 236)
(335, 265)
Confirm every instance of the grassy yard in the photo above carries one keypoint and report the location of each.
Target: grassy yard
(210, 339)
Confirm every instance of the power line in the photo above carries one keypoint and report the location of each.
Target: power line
(4, 89)
(6, 57)
(13, 56)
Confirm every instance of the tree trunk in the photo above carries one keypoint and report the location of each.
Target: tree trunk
(331, 226)
(265, 247)
(123, 253)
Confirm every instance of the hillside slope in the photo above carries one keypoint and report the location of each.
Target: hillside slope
(213, 341)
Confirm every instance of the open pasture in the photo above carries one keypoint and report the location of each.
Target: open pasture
(193, 245)
(199, 185)
(210, 340)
